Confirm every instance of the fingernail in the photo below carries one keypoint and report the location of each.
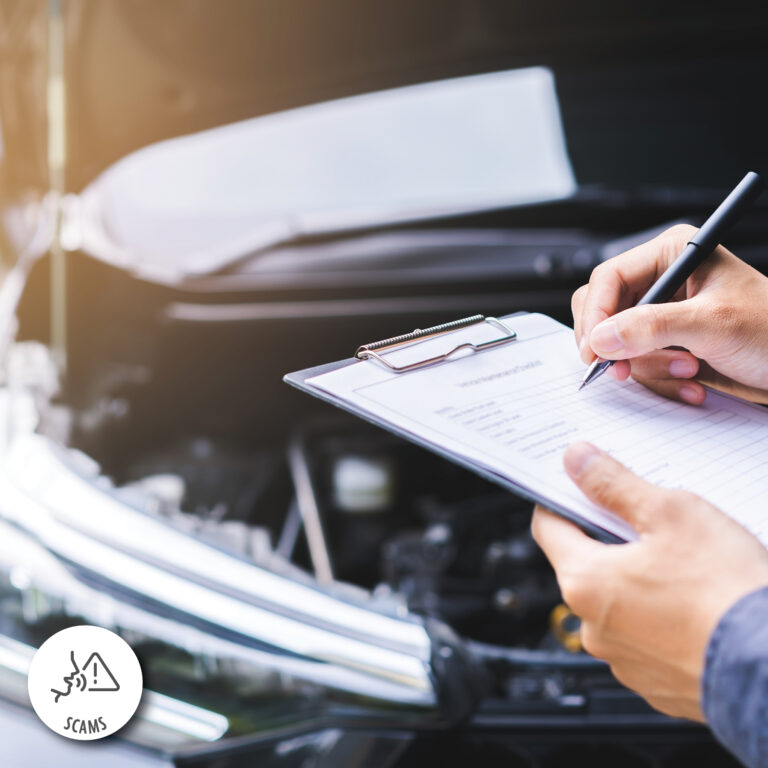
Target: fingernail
(691, 395)
(578, 457)
(605, 337)
(683, 369)
(582, 344)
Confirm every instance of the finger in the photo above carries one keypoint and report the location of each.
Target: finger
(689, 392)
(620, 370)
(575, 558)
(562, 542)
(711, 378)
(577, 302)
(665, 364)
(609, 484)
(604, 296)
(668, 372)
(640, 330)
(620, 282)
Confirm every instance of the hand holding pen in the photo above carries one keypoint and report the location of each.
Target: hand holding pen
(719, 316)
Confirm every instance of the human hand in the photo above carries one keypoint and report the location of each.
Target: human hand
(719, 319)
(649, 607)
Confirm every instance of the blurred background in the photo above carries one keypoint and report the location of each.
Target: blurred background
(199, 196)
(663, 95)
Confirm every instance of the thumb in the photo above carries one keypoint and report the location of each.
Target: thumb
(639, 330)
(609, 484)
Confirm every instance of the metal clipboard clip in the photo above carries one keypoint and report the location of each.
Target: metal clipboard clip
(367, 351)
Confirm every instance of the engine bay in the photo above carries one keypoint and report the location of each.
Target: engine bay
(174, 394)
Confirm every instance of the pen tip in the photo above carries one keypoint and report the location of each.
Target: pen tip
(582, 385)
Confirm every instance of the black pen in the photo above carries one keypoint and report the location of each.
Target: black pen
(699, 247)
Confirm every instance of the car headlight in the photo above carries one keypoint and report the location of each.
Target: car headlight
(227, 646)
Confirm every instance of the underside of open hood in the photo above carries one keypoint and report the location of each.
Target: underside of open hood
(192, 205)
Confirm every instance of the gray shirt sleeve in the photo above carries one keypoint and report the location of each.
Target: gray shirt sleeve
(735, 684)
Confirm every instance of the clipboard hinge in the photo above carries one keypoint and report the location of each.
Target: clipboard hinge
(372, 350)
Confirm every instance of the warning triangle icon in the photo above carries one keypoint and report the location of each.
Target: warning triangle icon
(98, 674)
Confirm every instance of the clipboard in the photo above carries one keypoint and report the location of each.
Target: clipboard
(373, 354)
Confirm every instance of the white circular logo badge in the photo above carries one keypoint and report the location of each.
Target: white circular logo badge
(85, 682)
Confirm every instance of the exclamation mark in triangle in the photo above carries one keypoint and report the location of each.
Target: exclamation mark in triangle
(108, 681)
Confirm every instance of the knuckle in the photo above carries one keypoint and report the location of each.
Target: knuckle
(673, 239)
(649, 369)
(648, 498)
(573, 589)
(679, 233)
(578, 298)
(674, 503)
(697, 313)
(591, 640)
(600, 483)
(568, 587)
(725, 318)
(656, 321)
(599, 271)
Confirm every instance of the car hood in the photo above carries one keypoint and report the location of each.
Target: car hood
(194, 204)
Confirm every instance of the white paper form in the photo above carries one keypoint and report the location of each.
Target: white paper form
(513, 410)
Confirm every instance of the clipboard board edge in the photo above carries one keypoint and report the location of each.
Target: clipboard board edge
(298, 380)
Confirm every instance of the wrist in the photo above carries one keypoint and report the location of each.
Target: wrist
(735, 676)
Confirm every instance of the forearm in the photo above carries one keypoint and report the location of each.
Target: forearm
(735, 685)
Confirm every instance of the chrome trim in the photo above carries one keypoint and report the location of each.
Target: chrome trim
(179, 716)
(156, 709)
(81, 521)
(30, 564)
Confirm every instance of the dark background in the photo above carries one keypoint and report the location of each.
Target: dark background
(653, 93)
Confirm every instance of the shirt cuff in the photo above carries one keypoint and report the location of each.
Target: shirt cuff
(735, 682)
